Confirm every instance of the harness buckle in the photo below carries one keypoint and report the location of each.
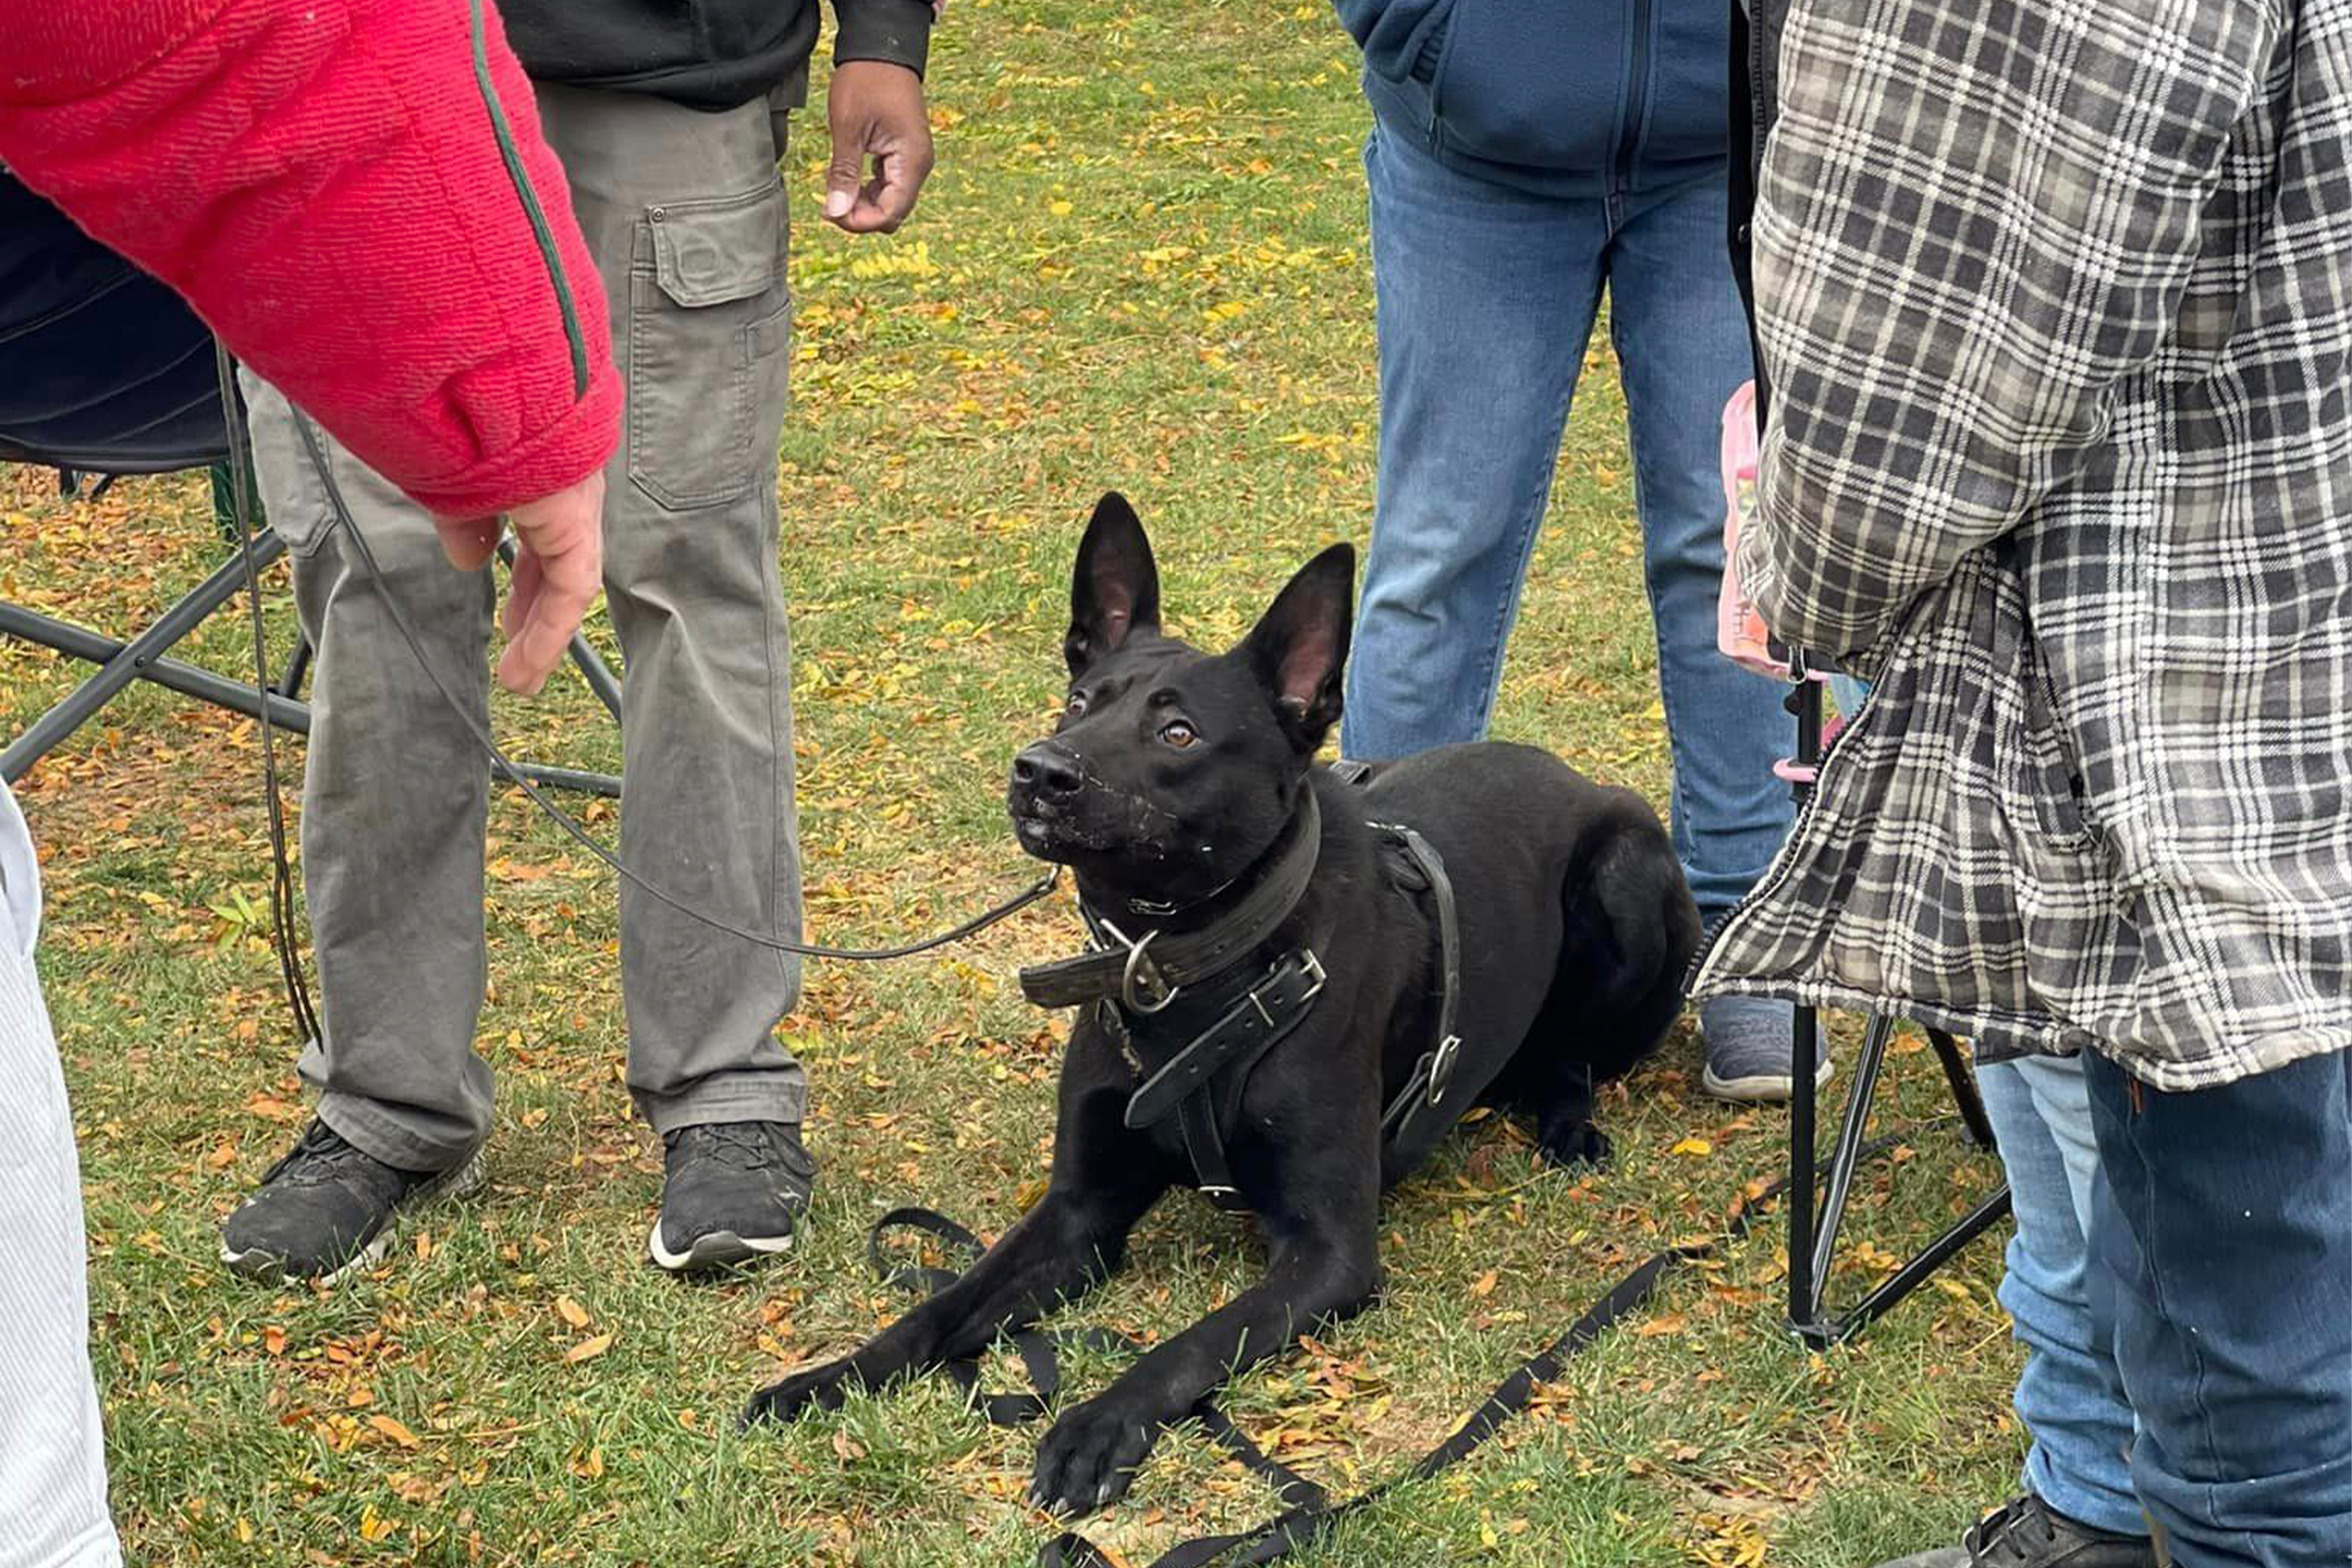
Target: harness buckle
(1141, 986)
(1313, 967)
(1441, 1066)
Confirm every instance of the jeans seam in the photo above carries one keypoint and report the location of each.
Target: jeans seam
(2154, 1280)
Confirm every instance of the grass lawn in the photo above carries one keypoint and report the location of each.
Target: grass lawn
(1142, 263)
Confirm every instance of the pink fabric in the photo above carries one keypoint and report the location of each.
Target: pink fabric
(320, 178)
(1739, 632)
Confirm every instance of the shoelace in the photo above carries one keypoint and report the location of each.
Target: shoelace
(745, 1146)
(319, 1156)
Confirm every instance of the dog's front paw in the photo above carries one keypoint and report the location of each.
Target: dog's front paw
(1570, 1144)
(1090, 1458)
(823, 1387)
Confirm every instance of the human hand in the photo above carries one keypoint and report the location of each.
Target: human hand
(559, 567)
(875, 108)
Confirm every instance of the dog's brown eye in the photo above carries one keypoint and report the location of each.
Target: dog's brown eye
(1076, 704)
(1177, 733)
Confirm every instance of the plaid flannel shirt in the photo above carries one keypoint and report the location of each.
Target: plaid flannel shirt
(2054, 297)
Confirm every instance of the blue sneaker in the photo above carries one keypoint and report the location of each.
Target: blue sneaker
(1748, 1050)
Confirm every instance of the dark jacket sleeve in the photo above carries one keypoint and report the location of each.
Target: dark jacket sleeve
(899, 31)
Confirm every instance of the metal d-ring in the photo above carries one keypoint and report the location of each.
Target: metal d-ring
(1129, 993)
(1441, 1066)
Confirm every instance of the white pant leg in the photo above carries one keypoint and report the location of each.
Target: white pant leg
(52, 1467)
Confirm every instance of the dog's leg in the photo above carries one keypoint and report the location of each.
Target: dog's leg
(1059, 1250)
(1324, 1265)
(1564, 1129)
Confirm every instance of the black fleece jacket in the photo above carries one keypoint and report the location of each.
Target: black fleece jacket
(707, 54)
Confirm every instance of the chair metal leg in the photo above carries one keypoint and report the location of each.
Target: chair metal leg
(1813, 1240)
(132, 661)
(1847, 1153)
(143, 658)
(1965, 1092)
(297, 668)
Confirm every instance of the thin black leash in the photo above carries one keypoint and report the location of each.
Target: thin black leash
(281, 915)
(281, 888)
(1310, 1512)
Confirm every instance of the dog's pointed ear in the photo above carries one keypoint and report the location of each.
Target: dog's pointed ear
(1299, 648)
(1115, 590)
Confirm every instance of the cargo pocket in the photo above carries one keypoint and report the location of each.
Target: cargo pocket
(709, 313)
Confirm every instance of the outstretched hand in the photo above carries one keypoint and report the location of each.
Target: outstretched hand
(875, 110)
(558, 568)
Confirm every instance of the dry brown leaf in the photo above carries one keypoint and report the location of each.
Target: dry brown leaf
(395, 1430)
(572, 1312)
(588, 1350)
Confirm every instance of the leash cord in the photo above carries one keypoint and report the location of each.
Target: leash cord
(285, 939)
(282, 883)
(1311, 1512)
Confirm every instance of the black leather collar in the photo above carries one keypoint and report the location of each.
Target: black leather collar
(1144, 974)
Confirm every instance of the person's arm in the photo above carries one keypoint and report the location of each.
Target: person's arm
(1966, 236)
(354, 194)
(874, 109)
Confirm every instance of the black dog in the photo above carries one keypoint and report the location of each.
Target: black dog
(1300, 983)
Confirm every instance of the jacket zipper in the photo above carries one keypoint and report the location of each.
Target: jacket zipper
(1637, 99)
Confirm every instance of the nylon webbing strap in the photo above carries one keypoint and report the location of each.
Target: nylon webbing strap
(1308, 1510)
(1039, 1352)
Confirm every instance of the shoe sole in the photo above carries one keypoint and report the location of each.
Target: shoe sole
(267, 1268)
(720, 1249)
(1762, 1089)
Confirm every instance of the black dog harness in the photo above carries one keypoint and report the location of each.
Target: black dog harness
(1130, 982)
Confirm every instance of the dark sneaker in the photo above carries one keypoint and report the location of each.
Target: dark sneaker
(327, 1209)
(2026, 1532)
(1747, 1049)
(731, 1195)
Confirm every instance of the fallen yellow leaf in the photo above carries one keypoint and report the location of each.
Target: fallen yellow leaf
(1692, 1146)
(571, 1312)
(588, 1350)
(393, 1429)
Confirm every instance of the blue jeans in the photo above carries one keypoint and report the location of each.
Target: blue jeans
(2221, 1246)
(1488, 297)
(2068, 1396)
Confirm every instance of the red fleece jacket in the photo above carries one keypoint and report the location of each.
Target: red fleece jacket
(326, 181)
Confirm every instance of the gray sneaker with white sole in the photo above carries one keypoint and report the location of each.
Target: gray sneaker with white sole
(1748, 1049)
(328, 1207)
(732, 1193)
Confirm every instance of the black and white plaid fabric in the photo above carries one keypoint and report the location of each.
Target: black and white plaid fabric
(2056, 299)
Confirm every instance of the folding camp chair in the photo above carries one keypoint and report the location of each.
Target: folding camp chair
(1817, 1208)
(103, 371)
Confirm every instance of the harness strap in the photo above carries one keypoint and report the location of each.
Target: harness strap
(1425, 1089)
(1149, 979)
(1188, 1085)
(1246, 1031)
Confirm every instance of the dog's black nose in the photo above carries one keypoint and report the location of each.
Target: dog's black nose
(1046, 769)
